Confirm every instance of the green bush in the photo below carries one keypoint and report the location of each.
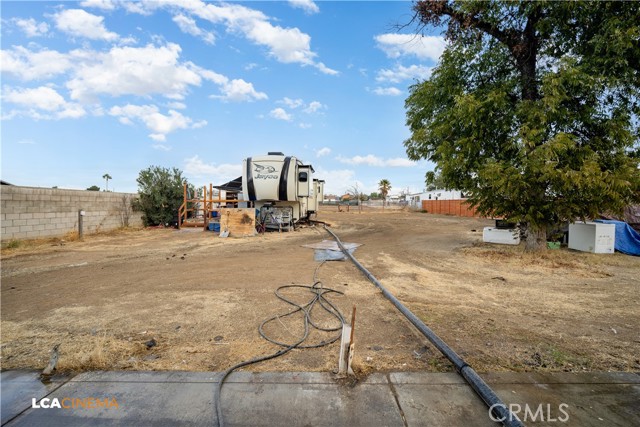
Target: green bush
(161, 194)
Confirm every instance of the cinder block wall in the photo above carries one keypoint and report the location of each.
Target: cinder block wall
(31, 213)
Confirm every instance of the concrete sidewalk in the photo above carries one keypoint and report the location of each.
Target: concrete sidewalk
(316, 399)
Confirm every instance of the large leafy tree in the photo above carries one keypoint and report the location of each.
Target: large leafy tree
(533, 109)
(160, 194)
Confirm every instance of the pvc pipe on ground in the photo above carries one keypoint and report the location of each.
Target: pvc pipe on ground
(482, 389)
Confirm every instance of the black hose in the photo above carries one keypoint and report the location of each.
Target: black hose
(498, 408)
(319, 293)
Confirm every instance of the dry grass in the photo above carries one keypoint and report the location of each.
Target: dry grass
(22, 246)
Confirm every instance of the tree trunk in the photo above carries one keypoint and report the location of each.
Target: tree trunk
(536, 239)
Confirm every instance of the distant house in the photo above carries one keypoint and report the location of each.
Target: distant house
(416, 199)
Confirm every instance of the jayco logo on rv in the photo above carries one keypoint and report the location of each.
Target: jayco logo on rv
(265, 172)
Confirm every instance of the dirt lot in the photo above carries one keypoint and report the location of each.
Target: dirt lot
(202, 298)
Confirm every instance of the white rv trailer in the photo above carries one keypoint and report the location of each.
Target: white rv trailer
(282, 188)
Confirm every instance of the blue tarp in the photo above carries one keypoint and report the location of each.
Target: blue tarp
(627, 239)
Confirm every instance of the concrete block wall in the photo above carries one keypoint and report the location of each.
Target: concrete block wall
(32, 213)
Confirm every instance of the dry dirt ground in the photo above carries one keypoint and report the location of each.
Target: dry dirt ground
(202, 298)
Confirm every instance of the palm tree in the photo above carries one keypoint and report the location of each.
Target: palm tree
(106, 177)
(384, 186)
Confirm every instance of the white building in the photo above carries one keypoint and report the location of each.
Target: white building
(415, 200)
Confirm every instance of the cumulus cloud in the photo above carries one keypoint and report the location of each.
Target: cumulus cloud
(29, 65)
(30, 27)
(188, 25)
(422, 47)
(141, 71)
(238, 90)
(291, 103)
(280, 114)
(308, 6)
(225, 172)
(41, 103)
(371, 160)
(324, 151)
(401, 73)
(286, 45)
(387, 91)
(134, 71)
(314, 107)
(161, 147)
(159, 124)
(80, 23)
(338, 181)
(310, 108)
(99, 4)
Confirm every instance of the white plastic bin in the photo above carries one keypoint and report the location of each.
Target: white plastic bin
(504, 237)
(593, 237)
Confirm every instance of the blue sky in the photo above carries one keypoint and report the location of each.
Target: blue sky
(108, 86)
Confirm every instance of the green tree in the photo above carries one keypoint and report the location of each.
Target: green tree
(93, 188)
(433, 181)
(106, 178)
(384, 186)
(374, 195)
(160, 194)
(533, 109)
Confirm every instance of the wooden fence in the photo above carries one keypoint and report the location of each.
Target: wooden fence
(450, 207)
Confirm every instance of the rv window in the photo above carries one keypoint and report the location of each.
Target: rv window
(302, 177)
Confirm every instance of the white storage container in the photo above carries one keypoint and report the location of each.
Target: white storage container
(504, 237)
(592, 237)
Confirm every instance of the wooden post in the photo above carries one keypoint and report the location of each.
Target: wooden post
(347, 347)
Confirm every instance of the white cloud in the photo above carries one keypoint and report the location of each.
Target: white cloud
(159, 124)
(134, 71)
(141, 71)
(323, 151)
(337, 181)
(250, 66)
(30, 27)
(314, 107)
(400, 162)
(42, 103)
(423, 47)
(287, 45)
(387, 91)
(217, 173)
(99, 4)
(29, 65)
(177, 105)
(238, 90)
(43, 98)
(308, 6)
(80, 23)
(400, 73)
(291, 103)
(371, 160)
(302, 125)
(161, 147)
(188, 25)
(280, 114)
